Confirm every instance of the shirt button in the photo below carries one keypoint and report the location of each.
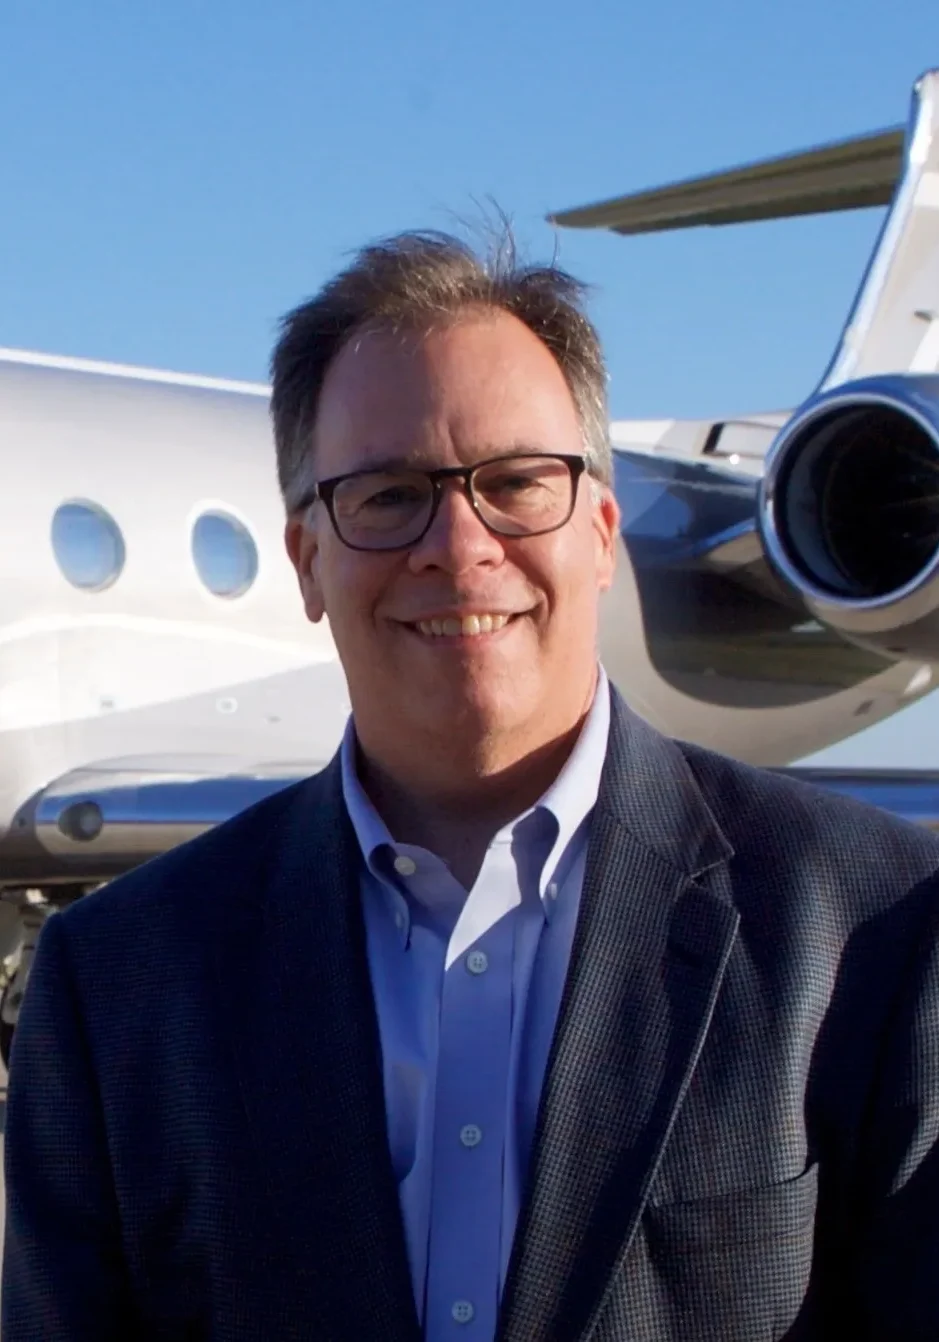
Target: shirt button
(471, 1135)
(462, 1311)
(405, 866)
(553, 890)
(477, 962)
(400, 920)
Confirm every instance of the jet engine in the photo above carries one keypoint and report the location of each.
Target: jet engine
(849, 512)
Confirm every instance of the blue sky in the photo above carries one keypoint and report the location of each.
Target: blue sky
(177, 174)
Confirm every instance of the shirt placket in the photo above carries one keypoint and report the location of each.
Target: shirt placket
(464, 1259)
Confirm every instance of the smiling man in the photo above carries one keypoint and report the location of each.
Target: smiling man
(520, 1021)
(460, 563)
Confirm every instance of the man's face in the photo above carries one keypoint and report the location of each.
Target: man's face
(479, 388)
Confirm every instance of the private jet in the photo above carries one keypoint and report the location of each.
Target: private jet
(777, 590)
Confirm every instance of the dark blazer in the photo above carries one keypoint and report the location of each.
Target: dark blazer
(739, 1130)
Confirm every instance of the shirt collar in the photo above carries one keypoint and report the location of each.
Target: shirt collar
(573, 794)
(569, 799)
(370, 830)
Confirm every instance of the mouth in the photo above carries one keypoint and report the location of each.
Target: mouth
(453, 628)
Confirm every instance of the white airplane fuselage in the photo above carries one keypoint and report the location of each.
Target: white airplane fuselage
(153, 663)
(155, 666)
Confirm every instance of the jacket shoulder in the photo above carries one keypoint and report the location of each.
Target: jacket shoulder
(766, 810)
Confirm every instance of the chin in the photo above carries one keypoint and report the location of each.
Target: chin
(471, 707)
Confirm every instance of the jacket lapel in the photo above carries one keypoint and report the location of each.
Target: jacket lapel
(653, 938)
(293, 970)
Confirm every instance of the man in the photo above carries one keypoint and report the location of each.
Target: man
(519, 1020)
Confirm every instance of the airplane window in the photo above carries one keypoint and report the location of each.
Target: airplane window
(224, 553)
(88, 546)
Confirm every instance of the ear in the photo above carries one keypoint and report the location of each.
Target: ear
(302, 547)
(606, 521)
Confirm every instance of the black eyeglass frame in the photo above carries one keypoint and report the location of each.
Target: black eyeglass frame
(325, 489)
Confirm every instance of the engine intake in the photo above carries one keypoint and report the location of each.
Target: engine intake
(849, 511)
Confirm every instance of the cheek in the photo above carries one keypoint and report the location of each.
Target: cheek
(573, 582)
(352, 585)
(578, 563)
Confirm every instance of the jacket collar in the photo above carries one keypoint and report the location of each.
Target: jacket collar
(655, 930)
(654, 935)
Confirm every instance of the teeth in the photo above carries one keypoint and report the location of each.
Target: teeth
(469, 626)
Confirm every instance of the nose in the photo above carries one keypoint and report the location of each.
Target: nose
(457, 539)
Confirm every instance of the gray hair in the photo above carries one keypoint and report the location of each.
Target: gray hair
(412, 281)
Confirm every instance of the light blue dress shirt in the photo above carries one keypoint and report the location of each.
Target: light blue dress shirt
(467, 987)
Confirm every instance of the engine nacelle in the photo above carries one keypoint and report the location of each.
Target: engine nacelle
(849, 511)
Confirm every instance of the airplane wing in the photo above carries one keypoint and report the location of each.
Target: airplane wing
(912, 794)
(851, 175)
(95, 822)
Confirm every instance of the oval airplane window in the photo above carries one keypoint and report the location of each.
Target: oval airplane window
(88, 546)
(224, 553)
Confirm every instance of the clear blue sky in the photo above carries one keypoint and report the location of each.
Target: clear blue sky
(176, 174)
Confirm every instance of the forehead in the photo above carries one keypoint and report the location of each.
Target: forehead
(480, 385)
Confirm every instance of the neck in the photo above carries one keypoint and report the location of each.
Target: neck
(453, 800)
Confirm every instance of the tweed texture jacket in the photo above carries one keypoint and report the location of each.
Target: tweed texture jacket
(738, 1137)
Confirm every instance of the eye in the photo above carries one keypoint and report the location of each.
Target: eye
(394, 496)
(516, 482)
(378, 493)
(510, 482)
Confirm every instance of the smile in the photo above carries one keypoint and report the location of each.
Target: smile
(467, 626)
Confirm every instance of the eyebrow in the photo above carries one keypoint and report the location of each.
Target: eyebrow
(403, 463)
(393, 463)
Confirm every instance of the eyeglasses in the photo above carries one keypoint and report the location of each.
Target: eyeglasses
(519, 495)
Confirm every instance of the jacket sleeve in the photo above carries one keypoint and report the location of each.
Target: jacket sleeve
(64, 1278)
(896, 1261)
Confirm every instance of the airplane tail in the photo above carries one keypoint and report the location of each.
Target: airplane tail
(893, 325)
(847, 511)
